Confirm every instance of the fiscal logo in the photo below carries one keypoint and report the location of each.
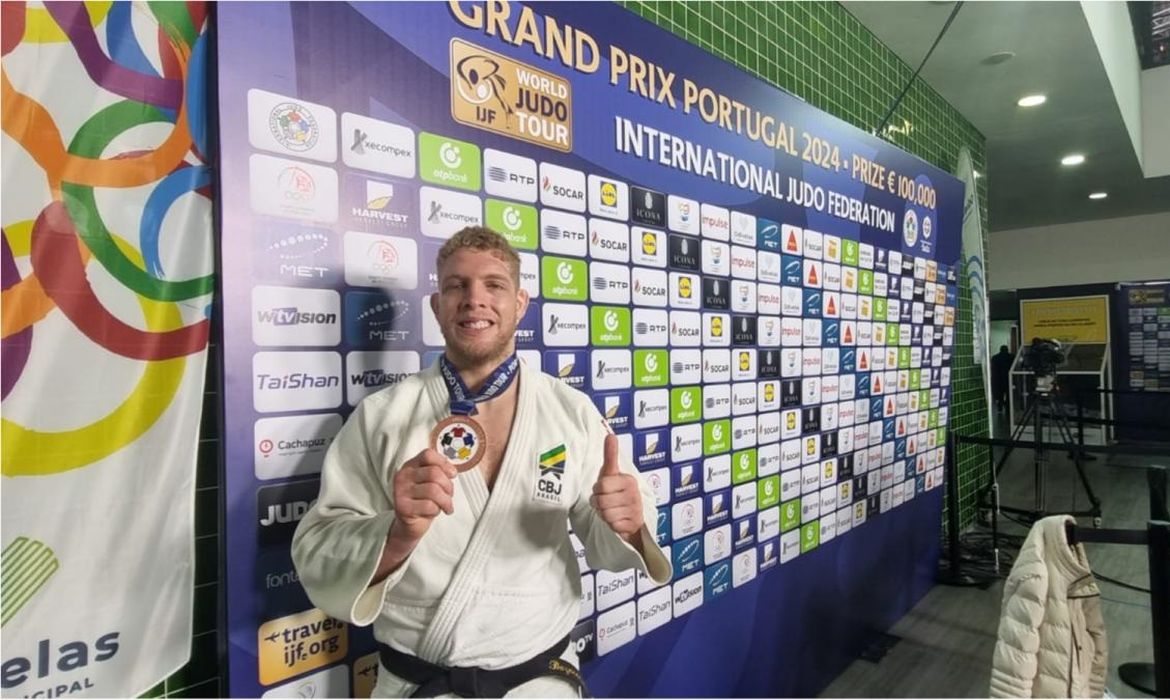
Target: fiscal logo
(444, 212)
(508, 175)
(814, 244)
(563, 278)
(647, 207)
(565, 324)
(562, 187)
(610, 326)
(499, 94)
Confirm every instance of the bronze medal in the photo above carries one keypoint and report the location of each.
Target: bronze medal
(461, 440)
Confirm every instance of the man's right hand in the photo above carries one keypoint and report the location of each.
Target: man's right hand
(423, 488)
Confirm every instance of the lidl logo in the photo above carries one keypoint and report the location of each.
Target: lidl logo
(608, 193)
(649, 243)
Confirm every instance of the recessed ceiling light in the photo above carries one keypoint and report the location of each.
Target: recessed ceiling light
(1032, 100)
(977, 174)
(1072, 159)
(998, 57)
(1099, 195)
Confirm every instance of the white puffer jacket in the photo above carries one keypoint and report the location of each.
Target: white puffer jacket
(1051, 635)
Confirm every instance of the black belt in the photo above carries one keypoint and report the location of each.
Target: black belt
(474, 682)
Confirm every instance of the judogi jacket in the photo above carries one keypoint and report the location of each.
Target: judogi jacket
(496, 582)
(1051, 635)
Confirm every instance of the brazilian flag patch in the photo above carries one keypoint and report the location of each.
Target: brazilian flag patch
(553, 461)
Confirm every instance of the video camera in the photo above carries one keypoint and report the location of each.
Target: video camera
(1043, 357)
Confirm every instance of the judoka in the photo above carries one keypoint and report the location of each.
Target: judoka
(445, 502)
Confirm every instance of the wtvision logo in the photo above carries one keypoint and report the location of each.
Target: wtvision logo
(369, 371)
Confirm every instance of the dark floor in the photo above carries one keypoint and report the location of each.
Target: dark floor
(948, 638)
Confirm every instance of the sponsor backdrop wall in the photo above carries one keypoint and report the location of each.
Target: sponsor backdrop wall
(107, 282)
(759, 297)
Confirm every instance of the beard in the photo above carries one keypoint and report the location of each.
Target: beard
(470, 353)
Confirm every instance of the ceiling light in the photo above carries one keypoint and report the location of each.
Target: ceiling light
(1099, 195)
(1072, 159)
(1032, 100)
(999, 57)
(977, 174)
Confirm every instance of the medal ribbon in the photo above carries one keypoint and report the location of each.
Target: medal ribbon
(462, 399)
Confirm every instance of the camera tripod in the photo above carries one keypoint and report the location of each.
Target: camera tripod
(1040, 409)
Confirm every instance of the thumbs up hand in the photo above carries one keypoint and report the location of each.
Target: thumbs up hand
(616, 496)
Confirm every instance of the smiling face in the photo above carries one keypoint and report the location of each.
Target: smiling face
(478, 306)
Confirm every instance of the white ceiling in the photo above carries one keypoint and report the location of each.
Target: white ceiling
(1055, 55)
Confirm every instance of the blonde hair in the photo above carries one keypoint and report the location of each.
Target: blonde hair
(481, 238)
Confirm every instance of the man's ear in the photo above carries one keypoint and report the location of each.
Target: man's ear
(521, 303)
(435, 304)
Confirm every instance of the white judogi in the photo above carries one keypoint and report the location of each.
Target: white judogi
(496, 582)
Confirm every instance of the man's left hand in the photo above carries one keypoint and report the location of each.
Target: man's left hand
(616, 496)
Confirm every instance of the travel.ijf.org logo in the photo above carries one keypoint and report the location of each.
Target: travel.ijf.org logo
(496, 93)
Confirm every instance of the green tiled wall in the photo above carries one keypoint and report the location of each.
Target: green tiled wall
(822, 54)
(815, 50)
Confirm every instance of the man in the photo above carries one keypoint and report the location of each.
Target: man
(1001, 367)
(460, 567)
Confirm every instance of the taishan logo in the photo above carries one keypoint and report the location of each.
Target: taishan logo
(496, 93)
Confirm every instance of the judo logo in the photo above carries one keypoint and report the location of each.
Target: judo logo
(552, 471)
(458, 443)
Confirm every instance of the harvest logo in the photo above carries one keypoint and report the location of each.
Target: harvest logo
(493, 92)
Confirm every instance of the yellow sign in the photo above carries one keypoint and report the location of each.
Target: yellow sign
(365, 675)
(289, 646)
(1074, 319)
(493, 92)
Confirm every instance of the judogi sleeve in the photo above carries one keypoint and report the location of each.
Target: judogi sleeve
(338, 543)
(604, 549)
